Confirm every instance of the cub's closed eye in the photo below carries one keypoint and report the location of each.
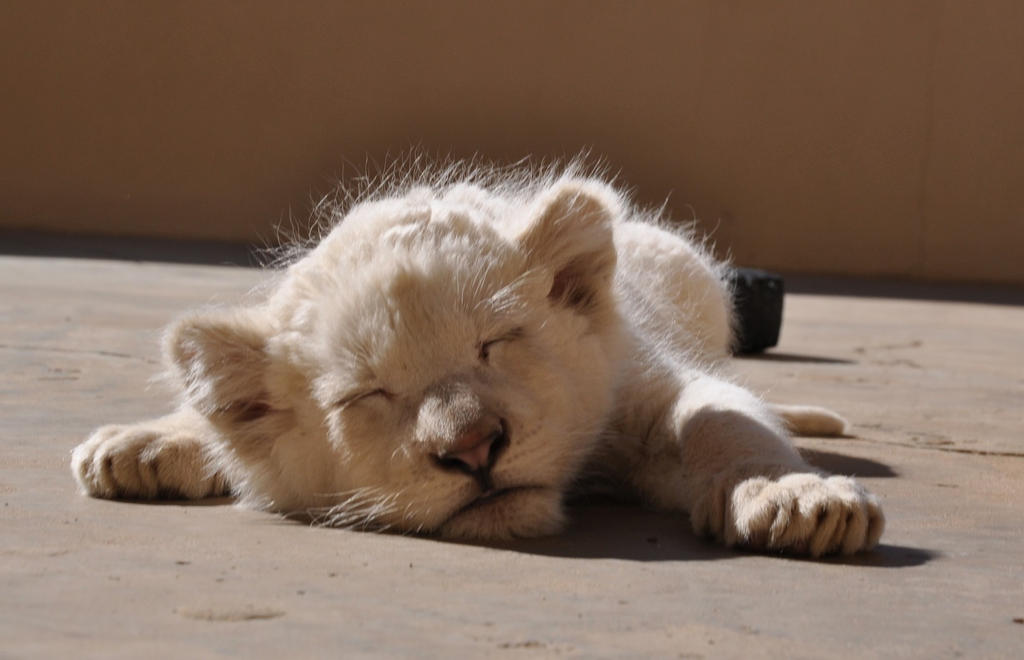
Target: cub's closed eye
(485, 347)
(346, 401)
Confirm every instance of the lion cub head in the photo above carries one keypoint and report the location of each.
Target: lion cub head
(443, 361)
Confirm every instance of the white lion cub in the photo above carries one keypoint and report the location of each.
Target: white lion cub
(452, 357)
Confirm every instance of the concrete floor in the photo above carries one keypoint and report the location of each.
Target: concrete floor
(934, 389)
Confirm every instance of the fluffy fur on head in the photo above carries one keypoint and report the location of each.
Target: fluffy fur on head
(335, 396)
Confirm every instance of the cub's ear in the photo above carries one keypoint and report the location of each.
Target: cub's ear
(220, 359)
(570, 234)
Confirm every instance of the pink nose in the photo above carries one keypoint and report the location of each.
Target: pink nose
(476, 450)
(473, 449)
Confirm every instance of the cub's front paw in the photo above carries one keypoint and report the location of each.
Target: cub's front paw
(144, 461)
(801, 513)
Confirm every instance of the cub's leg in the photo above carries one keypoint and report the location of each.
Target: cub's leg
(721, 456)
(164, 457)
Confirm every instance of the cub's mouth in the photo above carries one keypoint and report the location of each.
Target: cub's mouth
(506, 513)
(491, 497)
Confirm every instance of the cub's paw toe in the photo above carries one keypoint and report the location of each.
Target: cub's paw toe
(135, 461)
(801, 513)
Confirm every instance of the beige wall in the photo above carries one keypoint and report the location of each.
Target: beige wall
(879, 138)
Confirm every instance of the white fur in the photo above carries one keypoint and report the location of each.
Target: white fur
(546, 302)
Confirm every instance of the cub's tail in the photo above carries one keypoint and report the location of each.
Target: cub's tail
(810, 420)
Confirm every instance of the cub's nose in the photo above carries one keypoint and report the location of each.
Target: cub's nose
(477, 449)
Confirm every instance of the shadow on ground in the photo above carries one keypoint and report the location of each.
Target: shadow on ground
(608, 531)
(775, 356)
(992, 294)
(177, 500)
(129, 248)
(851, 466)
(605, 529)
